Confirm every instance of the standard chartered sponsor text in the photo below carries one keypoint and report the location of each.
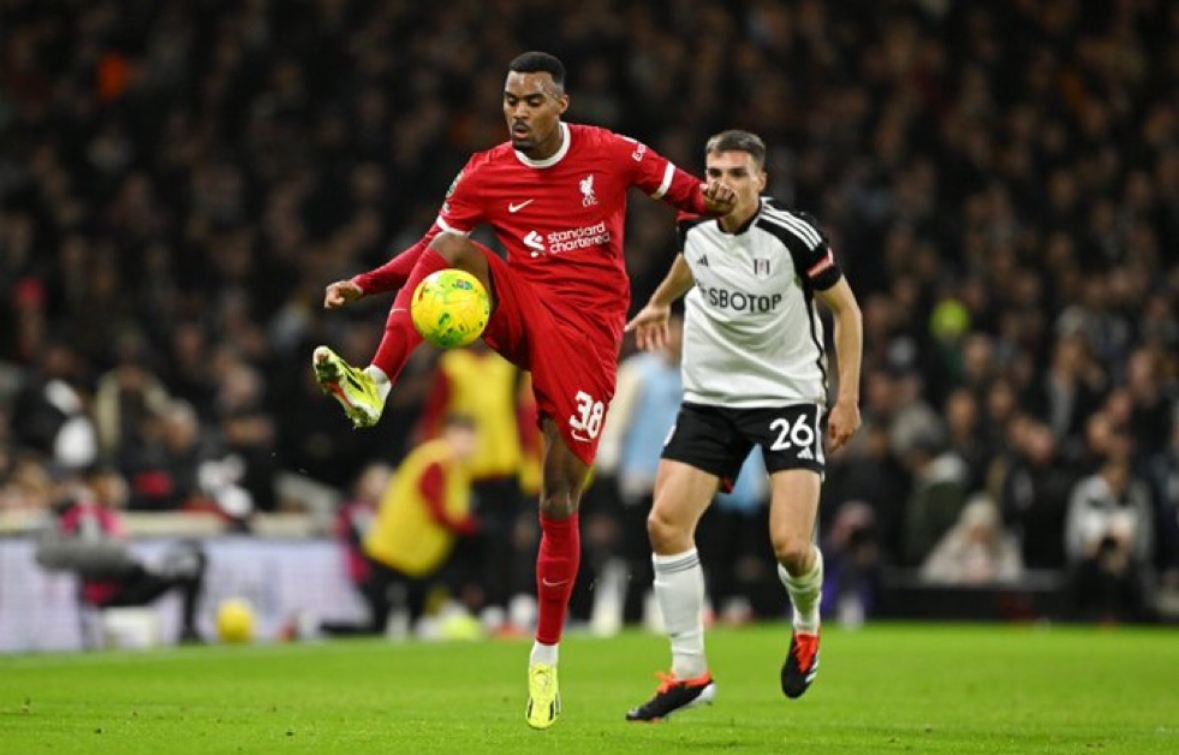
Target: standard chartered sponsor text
(577, 238)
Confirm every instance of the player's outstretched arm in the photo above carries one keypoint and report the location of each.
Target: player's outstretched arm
(680, 189)
(650, 324)
(388, 277)
(844, 418)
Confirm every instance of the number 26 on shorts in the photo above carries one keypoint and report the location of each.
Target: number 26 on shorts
(798, 433)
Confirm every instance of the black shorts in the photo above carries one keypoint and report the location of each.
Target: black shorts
(716, 440)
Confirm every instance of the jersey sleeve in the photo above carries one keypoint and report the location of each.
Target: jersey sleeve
(462, 210)
(800, 233)
(658, 177)
(820, 266)
(393, 274)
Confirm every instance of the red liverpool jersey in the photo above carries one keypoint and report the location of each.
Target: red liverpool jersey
(561, 219)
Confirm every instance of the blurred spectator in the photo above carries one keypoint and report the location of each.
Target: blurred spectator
(852, 565)
(1113, 503)
(92, 544)
(1109, 540)
(125, 398)
(965, 435)
(976, 550)
(937, 498)
(1034, 489)
(868, 472)
(49, 414)
(423, 511)
(351, 527)
(1163, 473)
(162, 472)
(478, 383)
(26, 486)
(1069, 392)
(246, 434)
(1163, 476)
(1150, 414)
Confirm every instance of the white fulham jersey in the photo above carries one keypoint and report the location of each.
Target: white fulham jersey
(752, 335)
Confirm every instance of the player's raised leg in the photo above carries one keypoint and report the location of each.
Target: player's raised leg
(557, 562)
(793, 507)
(682, 493)
(362, 392)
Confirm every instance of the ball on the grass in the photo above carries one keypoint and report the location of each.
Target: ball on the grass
(235, 621)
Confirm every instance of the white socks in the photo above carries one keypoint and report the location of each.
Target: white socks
(805, 593)
(381, 379)
(546, 654)
(679, 587)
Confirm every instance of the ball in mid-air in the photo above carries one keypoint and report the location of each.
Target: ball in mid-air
(235, 621)
(450, 308)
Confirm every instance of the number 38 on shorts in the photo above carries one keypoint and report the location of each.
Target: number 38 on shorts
(586, 422)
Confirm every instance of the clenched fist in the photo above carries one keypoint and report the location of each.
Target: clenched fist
(340, 293)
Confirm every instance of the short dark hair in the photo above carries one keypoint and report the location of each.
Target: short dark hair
(735, 140)
(540, 62)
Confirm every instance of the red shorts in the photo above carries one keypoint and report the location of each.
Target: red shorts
(574, 362)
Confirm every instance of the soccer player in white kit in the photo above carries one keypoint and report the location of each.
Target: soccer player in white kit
(754, 372)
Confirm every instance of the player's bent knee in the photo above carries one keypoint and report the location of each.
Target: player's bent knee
(667, 536)
(794, 553)
(559, 504)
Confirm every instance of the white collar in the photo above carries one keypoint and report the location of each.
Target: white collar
(548, 161)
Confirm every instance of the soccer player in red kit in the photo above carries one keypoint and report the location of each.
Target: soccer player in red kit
(555, 196)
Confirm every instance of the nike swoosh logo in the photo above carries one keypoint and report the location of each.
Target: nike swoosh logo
(514, 208)
(547, 583)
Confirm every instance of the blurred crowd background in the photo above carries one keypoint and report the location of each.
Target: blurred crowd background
(1000, 180)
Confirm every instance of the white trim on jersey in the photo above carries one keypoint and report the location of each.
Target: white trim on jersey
(792, 224)
(668, 175)
(447, 228)
(548, 162)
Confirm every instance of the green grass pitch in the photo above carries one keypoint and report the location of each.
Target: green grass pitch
(885, 688)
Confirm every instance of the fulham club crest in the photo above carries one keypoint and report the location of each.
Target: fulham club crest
(761, 268)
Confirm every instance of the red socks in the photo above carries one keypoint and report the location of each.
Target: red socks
(556, 571)
(401, 338)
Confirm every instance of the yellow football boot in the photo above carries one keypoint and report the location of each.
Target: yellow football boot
(353, 388)
(544, 698)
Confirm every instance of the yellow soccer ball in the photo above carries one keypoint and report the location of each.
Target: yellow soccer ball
(450, 308)
(235, 621)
